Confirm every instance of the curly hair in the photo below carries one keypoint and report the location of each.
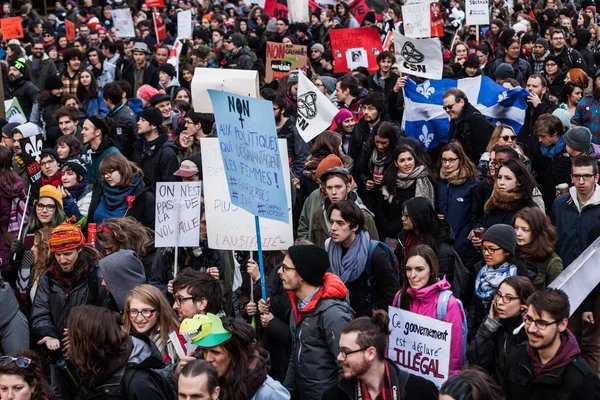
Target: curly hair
(44, 259)
(33, 374)
(126, 234)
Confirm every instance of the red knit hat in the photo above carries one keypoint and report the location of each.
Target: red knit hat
(66, 237)
(145, 92)
(331, 161)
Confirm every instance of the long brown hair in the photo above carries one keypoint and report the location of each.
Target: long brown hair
(126, 234)
(328, 140)
(33, 374)
(118, 162)
(45, 258)
(543, 234)
(431, 259)
(466, 166)
(496, 136)
(96, 337)
(167, 319)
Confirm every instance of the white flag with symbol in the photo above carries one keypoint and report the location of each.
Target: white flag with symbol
(315, 111)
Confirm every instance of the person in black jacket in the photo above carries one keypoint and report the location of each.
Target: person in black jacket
(117, 365)
(370, 374)
(124, 119)
(580, 41)
(495, 339)
(467, 124)
(43, 110)
(383, 80)
(238, 56)
(140, 71)
(156, 152)
(538, 103)
(21, 88)
(373, 286)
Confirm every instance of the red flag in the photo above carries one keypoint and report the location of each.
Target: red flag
(160, 27)
(437, 22)
(359, 9)
(70, 30)
(155, 3)
(314, 6)
(275, 9)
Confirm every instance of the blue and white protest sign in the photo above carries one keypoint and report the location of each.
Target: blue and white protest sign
(250, 151)
(426, 120)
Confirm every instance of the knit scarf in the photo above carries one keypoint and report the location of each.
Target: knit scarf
(502, 201)
(54, 181)
(379, 160)
(350, 266)
(311, 164)
(78, 189)
(456, 177)
(36, 62)
(552, 151)
(114, 197)
(419, 176)
(390, 389)
(67, 280)
(489, 279)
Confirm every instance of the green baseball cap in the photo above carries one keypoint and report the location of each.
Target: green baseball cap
(216, 335)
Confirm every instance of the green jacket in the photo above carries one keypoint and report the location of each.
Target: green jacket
(320, 231)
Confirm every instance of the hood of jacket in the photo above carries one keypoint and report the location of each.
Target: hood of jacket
(163, 140)
(568, 350)
(44, 57)
(144, 353)
(593, 201)
(122, 271)
(583, 38)
(16, 190)
(429, 294)
(10, 306)
(595, 151)
(332, 288)
(135, 104)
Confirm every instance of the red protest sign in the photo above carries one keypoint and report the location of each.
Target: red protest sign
(355, 47)
(155, 3)
(70, 30)
(359, 8)
(160, 27)
(275, 9)
(437, 22)
(12, 28)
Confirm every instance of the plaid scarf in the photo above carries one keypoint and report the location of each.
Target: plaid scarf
(68, 280)
(390, 389)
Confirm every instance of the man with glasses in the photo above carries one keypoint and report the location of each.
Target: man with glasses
(571, 58)
(552, 164)
(320, 312)
(39, 65)
(316, 52)
(467, 124)
(550, 366)
(368, 373)
(196, 292)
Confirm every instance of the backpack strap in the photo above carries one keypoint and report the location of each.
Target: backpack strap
(442, 304)
(372, 246)
(396, 299)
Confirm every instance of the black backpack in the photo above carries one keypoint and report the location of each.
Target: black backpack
(161, 383)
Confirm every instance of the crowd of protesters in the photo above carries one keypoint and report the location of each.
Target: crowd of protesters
(479, 226)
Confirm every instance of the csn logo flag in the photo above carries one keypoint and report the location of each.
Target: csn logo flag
(419, 57)
(315, 111)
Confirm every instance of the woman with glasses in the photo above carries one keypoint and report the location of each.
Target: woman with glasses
(571, 94)
(554, 76)
(456, 180)
(121, 193)
(420, 293)
(495, 339)
(22, 377)
(187, 145)
(47, 212)
(499, 245)
(147, 312)
(503, 135)
(536, 241)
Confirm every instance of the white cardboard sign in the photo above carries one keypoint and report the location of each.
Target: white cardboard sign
(171, 196)
(236, 81)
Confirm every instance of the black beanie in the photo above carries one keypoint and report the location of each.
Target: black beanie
(53, 82)
(311, 263)
(153, 116)
(502, 235)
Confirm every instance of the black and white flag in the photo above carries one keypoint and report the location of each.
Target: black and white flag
(315, 111)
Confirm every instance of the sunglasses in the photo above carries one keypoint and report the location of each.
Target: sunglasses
(21, 362)
(512, 138)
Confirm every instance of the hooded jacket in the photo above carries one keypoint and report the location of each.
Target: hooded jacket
(566, 377)
(26, 93)
(158, 160)
(242, 58)
(122, 271)
(424, 302)
(551, 172)
(14, 329)
(583, 37)
(125, 126)
(315, 332)
(94, 158)
(7, 194)
(47, 68)
(472, 130)
(574, 224)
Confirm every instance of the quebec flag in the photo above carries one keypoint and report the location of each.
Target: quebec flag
(426, 120)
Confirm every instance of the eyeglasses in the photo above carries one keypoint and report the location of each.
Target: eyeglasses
(179, 299)
(550, 64)
(21, 362)
(146, 313)
(512, 138)
(449, 160)
(286, 268)
(495, 164)
(505, 299)
(450, 107)
(47, 163)
(578, 177)
(490, 250)
(345, 354)
(558, 38)
(47, 207)
(315, 51)
(539, 323)
(106, 173)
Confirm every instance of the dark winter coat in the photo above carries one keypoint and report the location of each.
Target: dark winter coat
(385, 86)
(43, 116)
(25, 92)
(551, 172)
(472, 130)
(501, 216)
(455, 203)
(125, 128)
(47, 68)
(158, 161)
(526, 135)
(242, 58)
(143, 207)
(150, 75)
(7, 194)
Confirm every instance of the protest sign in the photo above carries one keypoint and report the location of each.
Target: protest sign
(419, 57)
(420, 345)
(173, 228)
(230, 227)
(355, 47)
(477, 12)
(229, 80)
(275, 9)
(298, 11)
(184, 24)
(155, 3)
(31, 145)
(360, 8)
(160, 27)
(70, 29)
(13, 111)
(12, 28)
(417, 20)
(315, 111)
(248, 142)
(123, 23)
(282, 59)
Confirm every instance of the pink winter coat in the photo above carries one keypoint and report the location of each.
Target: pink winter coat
(424, 302)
